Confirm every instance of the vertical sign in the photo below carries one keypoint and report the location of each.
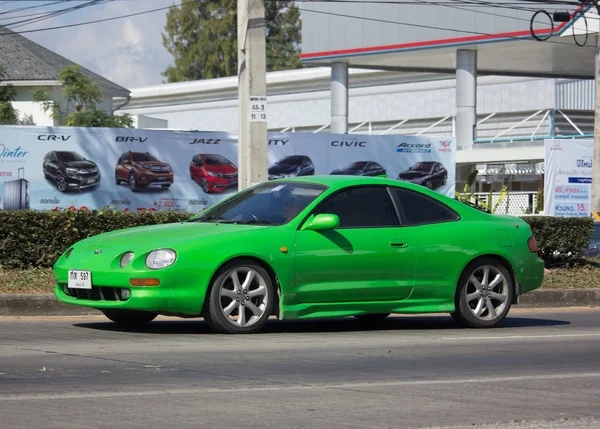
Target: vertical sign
(567, 190)
(258, 109)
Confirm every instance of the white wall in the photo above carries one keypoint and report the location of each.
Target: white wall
(25, 106)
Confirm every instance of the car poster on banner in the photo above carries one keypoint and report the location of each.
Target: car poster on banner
(56, 168)
(568, 177)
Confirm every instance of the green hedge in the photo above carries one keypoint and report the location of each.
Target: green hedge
(38, 238)
(561, 240)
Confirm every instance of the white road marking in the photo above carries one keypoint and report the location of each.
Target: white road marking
(513, 337)
(91, 395)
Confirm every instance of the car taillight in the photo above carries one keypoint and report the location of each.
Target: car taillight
(532, 243)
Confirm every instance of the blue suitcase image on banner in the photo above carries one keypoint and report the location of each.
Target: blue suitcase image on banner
(16, 193)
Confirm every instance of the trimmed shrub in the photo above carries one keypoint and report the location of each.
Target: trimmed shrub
(38, 238)
(561, 241)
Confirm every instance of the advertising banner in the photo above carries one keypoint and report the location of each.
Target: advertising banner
(45, 168)
(568, 179)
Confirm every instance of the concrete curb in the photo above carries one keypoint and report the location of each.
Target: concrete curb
(48, 305)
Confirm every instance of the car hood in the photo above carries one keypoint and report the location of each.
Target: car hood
(155, 163)
(414, 174)
(146, 238)
(283, 168)
(80, 164)
(221, 168)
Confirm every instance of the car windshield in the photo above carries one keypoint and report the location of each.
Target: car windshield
(269, 203)
(357, 165)
(69, 156)
(143, 157)
(423, 166)
(291, 160)
(215, 159)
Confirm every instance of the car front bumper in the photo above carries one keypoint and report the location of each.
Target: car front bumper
(111, 289)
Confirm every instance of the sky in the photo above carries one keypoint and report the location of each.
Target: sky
(127, 51)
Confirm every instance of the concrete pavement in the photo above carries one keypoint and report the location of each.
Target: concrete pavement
(541, 367)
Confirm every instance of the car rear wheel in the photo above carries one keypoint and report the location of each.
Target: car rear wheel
(130, 318)
(484, 296)
(241, 299)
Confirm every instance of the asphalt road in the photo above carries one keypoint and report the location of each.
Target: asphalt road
(540, 370)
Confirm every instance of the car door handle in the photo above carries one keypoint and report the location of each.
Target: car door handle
(398, 243)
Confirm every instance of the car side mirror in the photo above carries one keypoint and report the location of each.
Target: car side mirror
(322, 222)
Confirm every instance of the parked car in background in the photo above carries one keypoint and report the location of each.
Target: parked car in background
(430, 174)
(142, 170)
(302, 248)
(291, 166)
(593, 250)
(213, 172)
(361, 168)
(69, 170)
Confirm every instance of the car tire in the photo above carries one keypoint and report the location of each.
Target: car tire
(130, 318)
(375, 317)
(204, 185)
(225, 298)
(132, 182)
(117, 180)
(475, 294)
(61, 183)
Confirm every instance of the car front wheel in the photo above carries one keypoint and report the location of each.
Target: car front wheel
(484, 296)
(241, 299)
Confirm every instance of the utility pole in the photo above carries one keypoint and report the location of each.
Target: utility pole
(252, 91)
(595, 197)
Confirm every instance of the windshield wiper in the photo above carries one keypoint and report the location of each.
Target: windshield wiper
(257, 222)
(219, 219)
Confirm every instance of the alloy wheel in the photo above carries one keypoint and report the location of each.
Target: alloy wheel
(61, 184)
(244, 296)
(487, 292)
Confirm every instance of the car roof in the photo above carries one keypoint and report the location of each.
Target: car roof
(340, 181)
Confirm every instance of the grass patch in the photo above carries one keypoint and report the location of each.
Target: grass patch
(41, 280)
(34, 280)
(583, 276)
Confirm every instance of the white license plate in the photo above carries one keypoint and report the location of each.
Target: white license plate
(80, 279)
(90, 181)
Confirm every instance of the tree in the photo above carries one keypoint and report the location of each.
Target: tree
(8, 114)
(82, 96)
(202, 37)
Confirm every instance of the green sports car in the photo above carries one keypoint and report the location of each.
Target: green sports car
(310, 247)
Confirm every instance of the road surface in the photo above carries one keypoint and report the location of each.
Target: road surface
(540, 370)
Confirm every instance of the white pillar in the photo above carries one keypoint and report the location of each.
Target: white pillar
(466, 97)
(339, 98)
(252, 143)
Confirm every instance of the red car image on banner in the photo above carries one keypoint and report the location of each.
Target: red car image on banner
(213, 172)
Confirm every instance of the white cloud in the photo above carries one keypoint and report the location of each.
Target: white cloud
(128, 51)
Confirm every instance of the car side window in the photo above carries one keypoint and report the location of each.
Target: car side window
(362, 207)
(419, 209)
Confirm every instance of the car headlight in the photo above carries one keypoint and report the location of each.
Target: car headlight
(161, 258)
(72, 171)
(126, 258)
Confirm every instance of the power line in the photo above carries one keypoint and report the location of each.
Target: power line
(52, 14)
(105, 19)
(383, 21)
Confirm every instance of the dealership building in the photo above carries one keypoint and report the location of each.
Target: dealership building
(406, 69)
